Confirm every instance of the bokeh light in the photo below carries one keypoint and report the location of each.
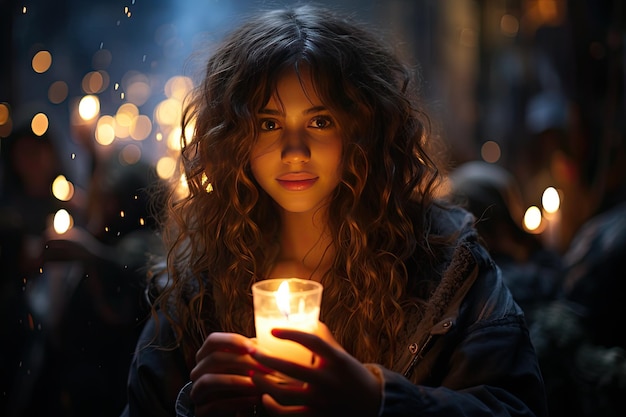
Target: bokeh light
(6, 124)
(42, 61)
(95, 82)
(62, 222)
(57, 93)
(137, 87)
(168, 112)
(124, 119)
(39, 124)
(490, 151)
(178, 87)
(141, 127)
(165, 167)
(89, 107)
(130, 154)
(101, 59)
(62, 189)
(105, 130)
(550, 200)
(532, 219)
(173, 139)
(4, 113)
(509, 25)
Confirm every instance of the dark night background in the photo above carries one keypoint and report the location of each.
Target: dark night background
(511, 72)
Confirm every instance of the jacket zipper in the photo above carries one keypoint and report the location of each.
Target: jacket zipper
(418, 352)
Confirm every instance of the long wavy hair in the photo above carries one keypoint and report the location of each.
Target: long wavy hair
(223, 236)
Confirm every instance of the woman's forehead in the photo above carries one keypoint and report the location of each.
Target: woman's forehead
(300, 77)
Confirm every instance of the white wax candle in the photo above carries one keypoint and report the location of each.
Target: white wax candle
(277, 305)
(306, 322)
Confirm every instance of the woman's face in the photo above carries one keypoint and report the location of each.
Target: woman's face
(297, 156)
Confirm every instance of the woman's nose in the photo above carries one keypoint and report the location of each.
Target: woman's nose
(295, 149)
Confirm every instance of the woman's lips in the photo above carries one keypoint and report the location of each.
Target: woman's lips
(296, 182)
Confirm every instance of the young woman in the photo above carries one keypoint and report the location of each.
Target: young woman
(310, 158)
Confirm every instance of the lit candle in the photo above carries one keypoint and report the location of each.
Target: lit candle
(286, 303)
(551, 201)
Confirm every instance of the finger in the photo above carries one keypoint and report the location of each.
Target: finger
(324, 355)
(286, 391)
(227, 363)
(226, 342)
(224, 362)
(274, 408)
(224, 353)
(285, 367)
(214, 387)
(311, 341)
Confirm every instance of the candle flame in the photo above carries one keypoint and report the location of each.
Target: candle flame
(282, 298)
(62, 221)
(532, 218)
(551, 200)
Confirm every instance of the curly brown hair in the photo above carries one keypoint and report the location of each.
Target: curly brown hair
(221, 242)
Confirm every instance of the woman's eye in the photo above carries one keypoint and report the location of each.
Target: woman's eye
(269, 125)
(321, 122)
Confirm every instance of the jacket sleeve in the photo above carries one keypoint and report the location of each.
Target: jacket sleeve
(486, 366)
(499, 381)
(157, 373)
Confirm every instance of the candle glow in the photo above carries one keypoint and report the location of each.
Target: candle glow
(290, 303)
(282, 298)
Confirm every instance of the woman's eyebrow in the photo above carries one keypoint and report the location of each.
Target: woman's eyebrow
(314, 109)
(273, 112)
(270, 112)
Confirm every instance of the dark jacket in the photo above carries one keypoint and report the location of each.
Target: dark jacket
(471, 355)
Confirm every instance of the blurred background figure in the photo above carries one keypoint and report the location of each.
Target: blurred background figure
(28, 166)
(581, 346)
(493, 195)
(90, 297)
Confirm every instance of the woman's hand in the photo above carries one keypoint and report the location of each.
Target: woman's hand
(221, 378)
(335, 385)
